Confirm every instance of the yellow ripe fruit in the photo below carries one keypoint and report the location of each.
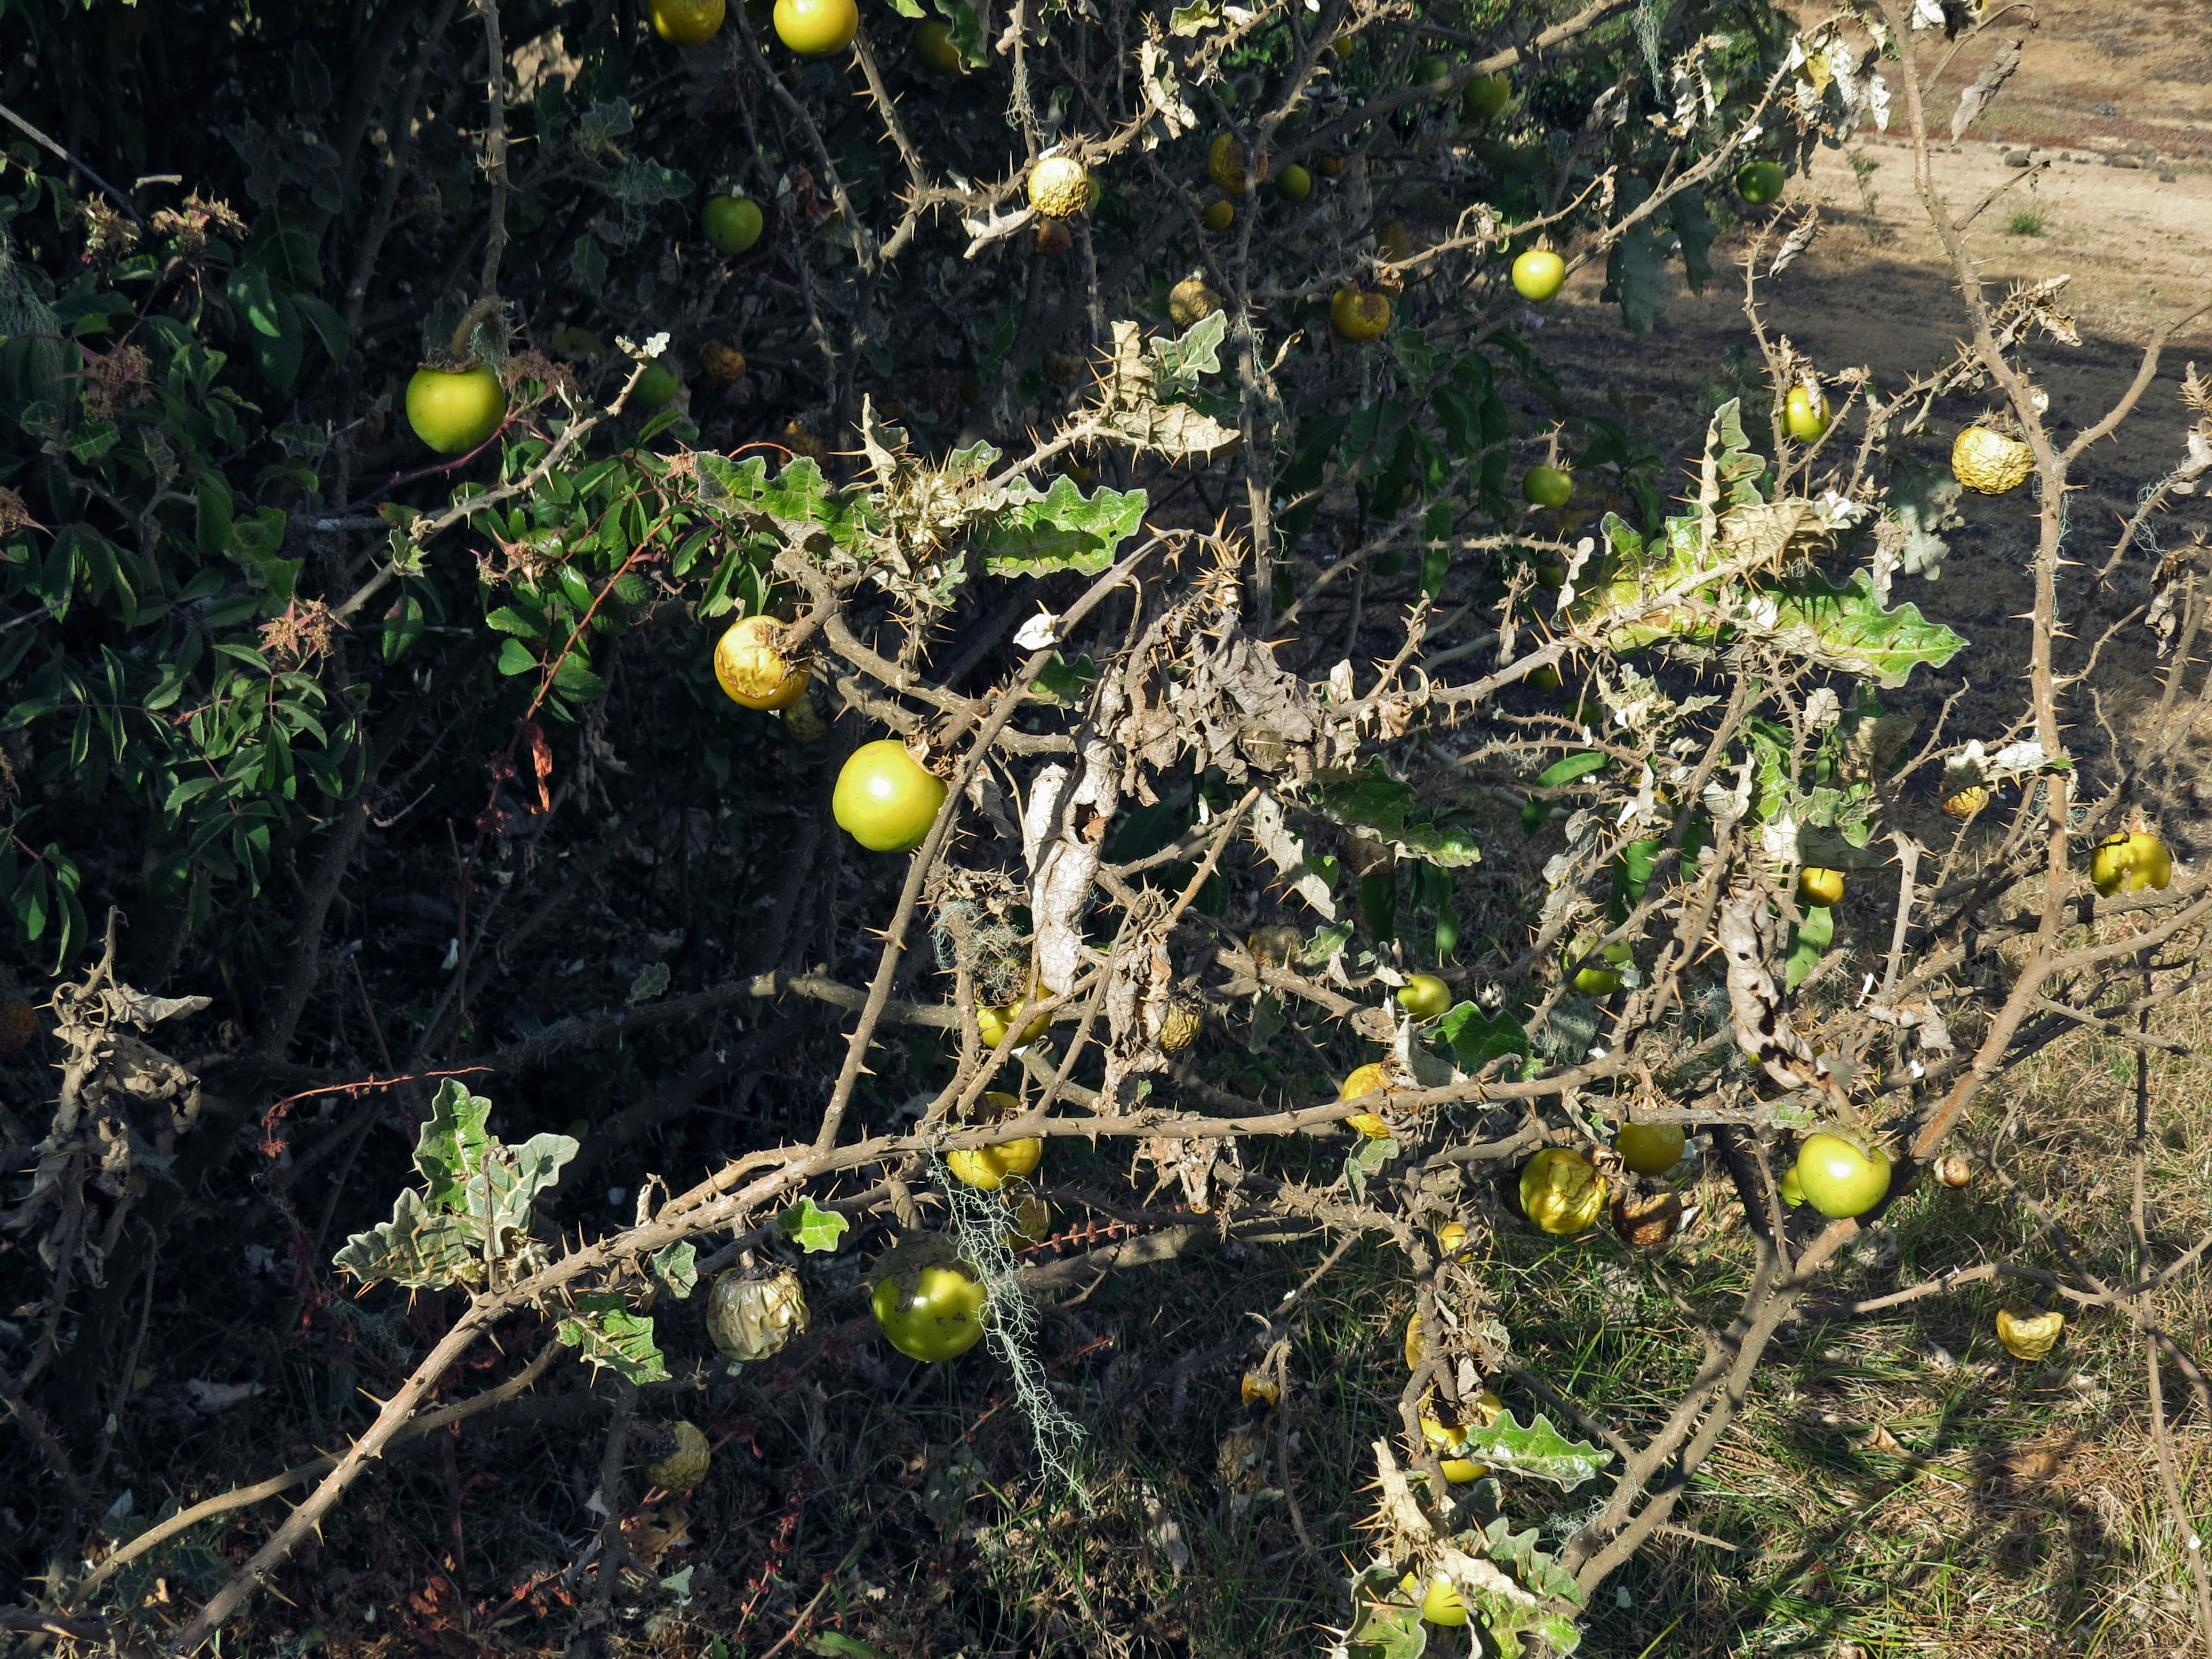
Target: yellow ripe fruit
(991, 1167)
(2029, 1336)
(1459, 1470)
(1254, 1389)
(1451, 1238)
(993, 1024)
(752, 670)
(1562, 1192)
(1218, 215)
(1440, 1603)
(687, 22)
(1965, 803)
(1191, 301)
(1989, 463)
(2130, 864)
(1059, 186)
(1651, 1149)
(1417, 1347)
(1820, 887)
(1805, 414)
(1366, 1080)
(1225, 165)
(816, 29)
(1357, 316)
(686, 1466)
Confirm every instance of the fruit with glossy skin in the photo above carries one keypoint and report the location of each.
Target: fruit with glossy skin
(1440, 1602)
(1366, 1080)
(934, 49)
(1218, 215)
(816, 29)
(751, 671)
(2131, 863)
(1840, 1178)
(928, 1302)
(1651, 1149)
(1821, 889)
(1805, 413)
(1451, 1238)
(1358, 316)
(687, 22)
(1225, 166)
(1760, 182)
(992, 1024)
(2029, 1336)
(886, 799)
(1485, 96)
(732, 223)
(1547, 486)
(1059, 186)
(991, 1167)
(1538, 275)
(1191, 301)
(1989, 463)
(1294, 183)
(1458, 1467)
(1416, 1349)
(1561, 1191)
(19, 1023)
(1424, 996)
(1793, 1190)
(455, 410)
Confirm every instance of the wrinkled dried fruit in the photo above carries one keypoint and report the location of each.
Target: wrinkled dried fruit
(685, 1467)
(2029, 1335)
(1967, 802)
(1989, 463)
(1179, 1025)
(749, 1318)
(19, 1023)
(1256, 1390)
(1191, 299)
(723, 365)
(751, 671)
(1953, 1171)
(1649, 1220)
(1059, 186)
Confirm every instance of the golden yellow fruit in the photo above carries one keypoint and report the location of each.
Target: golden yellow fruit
(687, 22)
(2131, 863)
(991, 1167)
(752, 670)
(1458, 1468)
(1258, 1389)
(1190, 300)
(1989, 463)
(816, 29)
(992, 1024)
(1225, 165)
(1820, 889)
(686, 1466)
(1359, 316)
(723, 365)
(1417, 1347)
(2029, 1336)
(1218, 215)
(1441, 1603)
(1451, 1238)
(1059, 186)
(1562, 1192)
(1366, 1080)
(1651, 1149)
(1965, 803)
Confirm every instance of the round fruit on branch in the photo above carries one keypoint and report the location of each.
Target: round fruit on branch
(688, 22)
(886, 799)
(455, 410)
(816, 29)
(750, 669)
(928, 1302)
(1840, 1177)
(1538, 275)
(1562, 1192)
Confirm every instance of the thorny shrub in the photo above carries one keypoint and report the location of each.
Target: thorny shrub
(1191, 530)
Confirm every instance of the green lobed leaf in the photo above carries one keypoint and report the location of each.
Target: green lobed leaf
(611, 1335)
(813, 1228)
(1538, 1451)
(1379, 805)
(1388, 1629)
(1060, 530)
(417, 1250)
(675, 1266)
(1476, 1038)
